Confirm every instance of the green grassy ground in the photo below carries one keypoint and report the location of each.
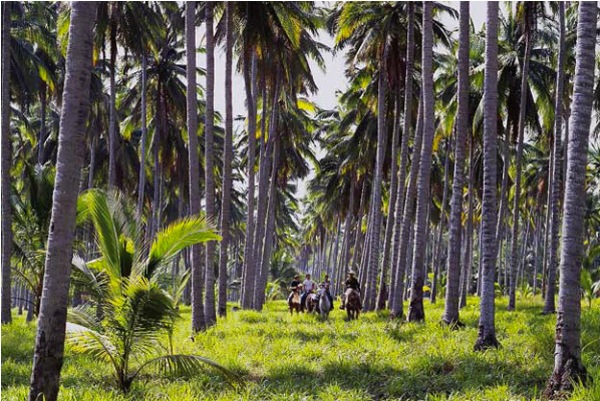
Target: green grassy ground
(303, 358)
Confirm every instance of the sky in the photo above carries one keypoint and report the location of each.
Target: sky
(329, 81)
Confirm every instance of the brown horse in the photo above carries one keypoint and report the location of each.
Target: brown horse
(294, 302)
(353, 305)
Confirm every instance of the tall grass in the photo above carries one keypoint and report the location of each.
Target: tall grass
(285, 357)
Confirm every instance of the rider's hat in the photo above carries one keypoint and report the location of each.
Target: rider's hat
(352, 272)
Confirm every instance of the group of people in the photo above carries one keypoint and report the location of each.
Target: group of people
(308, 286)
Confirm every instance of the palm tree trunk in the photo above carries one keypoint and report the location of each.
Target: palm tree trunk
(270, 227)
(406, 135)
(6, 163)
(514, 258)
(112, 125)
(389, 226)
(373, 261)
(142, 174)
(227, 159)
(568, 366)
(50, 336)
(451, 314)
(554, 199)
(437, 245)
(209, 296)
(263, 193)
(356, 254)
(467, 264)
(251, 93)
(345, 258)
(487, 329)
(415, 308)
(397, 296)
(198, 320)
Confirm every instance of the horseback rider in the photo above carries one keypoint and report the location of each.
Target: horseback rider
(351, 282)
(294, 286)
(309, 287)
(326, 286)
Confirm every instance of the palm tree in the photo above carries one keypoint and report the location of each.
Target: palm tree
(50, 337)
(456, 204)
(528, 23)
(209, 178)
(487, 329)
(198, 319)
(6, 163)
(415, 309)
(131, 287)
(568, 366)
(227, 160)
(556, 167)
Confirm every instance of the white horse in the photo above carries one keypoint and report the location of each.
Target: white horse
(324, 304)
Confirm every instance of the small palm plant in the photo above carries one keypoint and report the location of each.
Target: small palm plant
(127, 282)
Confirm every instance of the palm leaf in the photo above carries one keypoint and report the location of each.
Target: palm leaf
(187, 365)
(176, 237)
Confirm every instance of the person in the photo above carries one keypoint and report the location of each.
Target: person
(351, 282)
(326, 286)
(309, 287)
(294, 285)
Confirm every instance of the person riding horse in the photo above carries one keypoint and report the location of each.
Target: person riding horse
(351, 282)
(294, 286)
(309, 287)
(326, 286)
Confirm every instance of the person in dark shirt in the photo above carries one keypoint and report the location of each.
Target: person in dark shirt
(326, 285)
(294, 285)
(351, 282)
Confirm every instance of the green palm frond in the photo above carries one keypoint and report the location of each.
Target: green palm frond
(187, 365)
(176, 237)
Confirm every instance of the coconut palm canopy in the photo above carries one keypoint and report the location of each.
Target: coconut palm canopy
(160, 155)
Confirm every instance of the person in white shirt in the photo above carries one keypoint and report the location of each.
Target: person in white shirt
(308, 287)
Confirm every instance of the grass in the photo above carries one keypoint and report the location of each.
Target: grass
(285, 357)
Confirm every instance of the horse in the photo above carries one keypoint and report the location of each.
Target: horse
(352, 303)
(324, 305)
(311, 302)
(294, 302)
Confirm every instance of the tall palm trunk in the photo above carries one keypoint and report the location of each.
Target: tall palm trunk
(6, 163)
(514, 254)
(227, 159)
(142, 175)
(345, 257)
(568, 366)
(112, 124)
(373, 261)
(209, 295)
(554, 199)
(406, 135)
(263, 196)
(198, 320)
(467, 263)
(389, 226)
(453, 269)
(487, 329)
(356, 254)
(251, 92)
(50, 336)
(406, 230)
(270, 228)
(437, 245)
(415, 308)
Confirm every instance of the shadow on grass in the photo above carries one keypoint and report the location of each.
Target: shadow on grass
(429, 375)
